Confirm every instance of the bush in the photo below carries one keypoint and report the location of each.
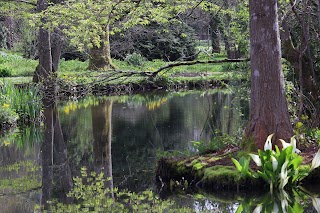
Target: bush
(5, 71)
(168, 42)
(135, 59)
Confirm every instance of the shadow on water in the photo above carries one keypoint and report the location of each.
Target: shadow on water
(121, 137)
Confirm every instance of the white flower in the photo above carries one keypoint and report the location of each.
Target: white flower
(316, 203)
(268, 144)
(274, 163)
(285, 144)
(258, 209)
(284, 175)
(256, 159)
(316, 160)
(275, 208)
(292, 143)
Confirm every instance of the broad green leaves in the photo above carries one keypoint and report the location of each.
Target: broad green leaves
(277, 168)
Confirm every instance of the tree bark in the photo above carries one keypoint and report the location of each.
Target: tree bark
(214, 26)
(268, 106)
(292, 54)
(100, 57)
(11, 35)
(44, 68)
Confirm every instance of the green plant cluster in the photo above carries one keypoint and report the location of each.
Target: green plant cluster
(218, 142)
(277, 168)
(5, 71)
(23, 105)
(92, 194)
(8, 117)
(135, 59)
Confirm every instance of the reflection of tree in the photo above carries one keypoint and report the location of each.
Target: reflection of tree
(102, 134)
(54, 157)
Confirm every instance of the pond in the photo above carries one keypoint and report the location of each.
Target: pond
(122, 137)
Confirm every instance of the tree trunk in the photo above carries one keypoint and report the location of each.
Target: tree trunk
(44, 68)
(100, 57)
(291, 54)
(11, 35)
(268, 106)
(56, 48)
(214, 25)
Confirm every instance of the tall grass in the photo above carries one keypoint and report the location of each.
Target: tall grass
(26, 102)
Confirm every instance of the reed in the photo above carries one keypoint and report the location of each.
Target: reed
(26, 102)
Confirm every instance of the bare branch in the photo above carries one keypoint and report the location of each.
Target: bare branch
(188, 63)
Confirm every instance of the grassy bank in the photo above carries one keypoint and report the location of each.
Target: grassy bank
(17, 69)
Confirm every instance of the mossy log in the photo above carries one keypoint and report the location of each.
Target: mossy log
(216, 171)
(209, 172)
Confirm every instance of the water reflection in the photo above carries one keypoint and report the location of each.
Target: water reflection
(138, 127)
(119, 136)
(56, 173)
(102, 138)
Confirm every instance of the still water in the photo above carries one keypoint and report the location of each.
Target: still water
(121, 136)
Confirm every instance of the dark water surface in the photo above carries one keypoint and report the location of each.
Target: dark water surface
(121, 136)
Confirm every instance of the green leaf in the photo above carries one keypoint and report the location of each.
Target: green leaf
(237, 164)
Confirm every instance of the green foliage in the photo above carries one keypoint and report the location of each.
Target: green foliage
(243, 166)
(218, 142)
(277, 168)
(91, 194)
(8, 117)
(168, 42)
(2, 35)
(26, 103)
(80, 21)
(135, 59)
(17, 65)
(5, 71)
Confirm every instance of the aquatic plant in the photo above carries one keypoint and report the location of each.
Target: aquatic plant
(278, 168)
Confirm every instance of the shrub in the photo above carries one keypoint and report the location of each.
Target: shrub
(168, 42)
(5, 71)
(135, 59)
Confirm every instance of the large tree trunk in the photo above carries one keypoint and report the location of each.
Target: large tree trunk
(100, 57)
(268, 106)
(214, 29)
(44, 68)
